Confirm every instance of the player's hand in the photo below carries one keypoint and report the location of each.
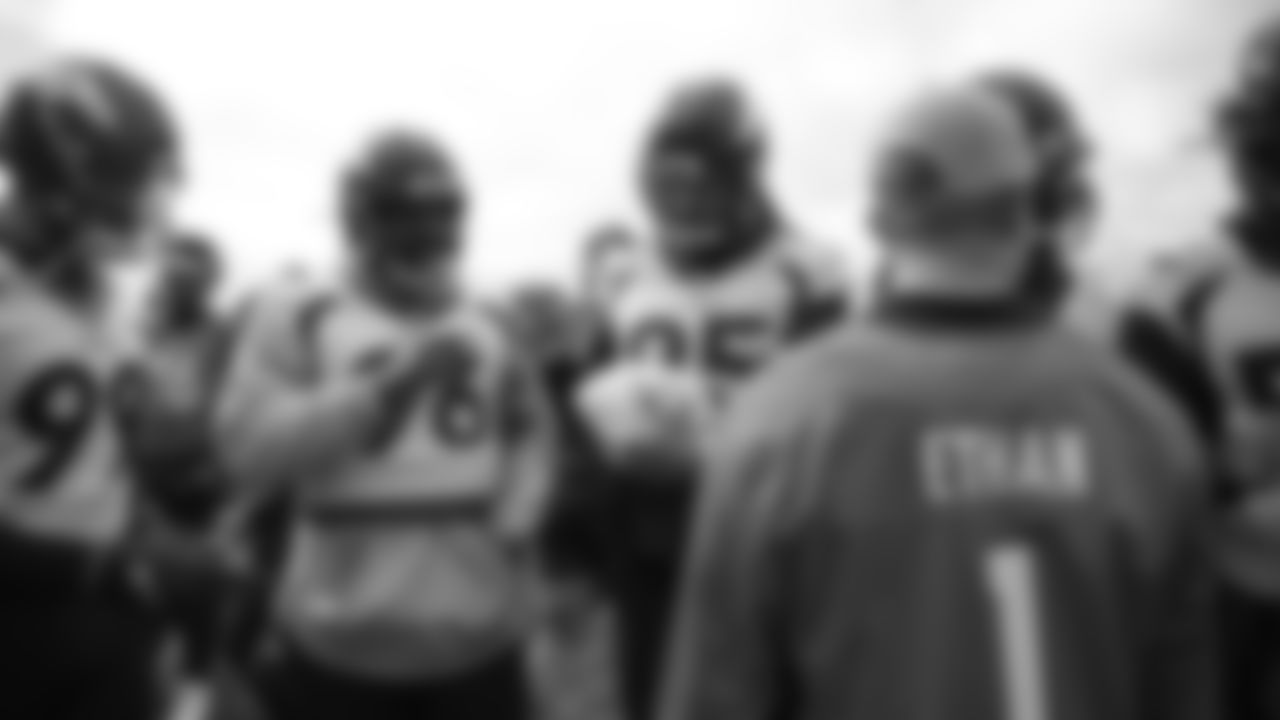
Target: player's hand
(402, 375)
(646, 410)
(396, 378)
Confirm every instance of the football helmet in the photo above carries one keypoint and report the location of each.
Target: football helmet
(91, 149)
(403, 206)
(1249, 127)
(958, 164)
(701, 175)
(1064, 197)
(191, 269)
(1251, 113)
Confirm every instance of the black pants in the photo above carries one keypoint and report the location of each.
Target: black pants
(91, 660)
(292, 687)
(1251, 634)
(653, 521)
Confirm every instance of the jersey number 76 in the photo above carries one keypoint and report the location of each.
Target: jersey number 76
(459, 414)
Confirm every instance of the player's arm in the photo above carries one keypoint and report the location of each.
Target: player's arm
(1182, 648)
(1166, 357)
(1159, 332)
(278, 419)
(726, 659)
(531, 437)
(822, 293)
(577, 531)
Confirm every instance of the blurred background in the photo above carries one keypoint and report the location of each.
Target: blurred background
(544, 101)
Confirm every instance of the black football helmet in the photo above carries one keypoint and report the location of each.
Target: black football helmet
(402, 199)
(89, 146)
(190, 273)
(701, 173)
(1249, 120)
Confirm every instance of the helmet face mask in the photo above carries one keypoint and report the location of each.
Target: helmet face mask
(695, 211)
(914, 203)
(405, 212)
(700, 175)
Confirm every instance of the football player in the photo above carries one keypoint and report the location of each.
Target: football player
(91, 152)
(398, 415)
(1066, 204)
(183, 342)
(1222, 298)
(607, 264)
(1065, 199)
(724, 286)
(167, 432)
(573, 648)
(955, 510)
(556, 329)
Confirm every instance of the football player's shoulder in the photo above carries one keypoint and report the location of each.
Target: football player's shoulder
(1094, 308)
(285, 315)
(1157, 430)
(12, 278)
(813, 385)
(818, 266)
(489, 326)
(642, 259)
(25, 306)
(639, 274)
(1183, 275)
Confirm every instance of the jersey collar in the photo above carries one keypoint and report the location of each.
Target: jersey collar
(937, 312)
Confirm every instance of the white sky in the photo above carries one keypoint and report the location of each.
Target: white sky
(544, 100)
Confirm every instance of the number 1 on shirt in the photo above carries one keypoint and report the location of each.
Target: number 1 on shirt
(1012, 578)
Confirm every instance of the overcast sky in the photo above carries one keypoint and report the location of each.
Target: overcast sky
(544, 100)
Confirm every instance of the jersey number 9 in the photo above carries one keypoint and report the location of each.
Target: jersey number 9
(55, 411)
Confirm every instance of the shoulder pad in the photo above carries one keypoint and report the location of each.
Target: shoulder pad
(495, 319)
(283, 320)
(11, 277)
(1174, 277)
(627, 266)
(1091, 310)
(821, 268)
